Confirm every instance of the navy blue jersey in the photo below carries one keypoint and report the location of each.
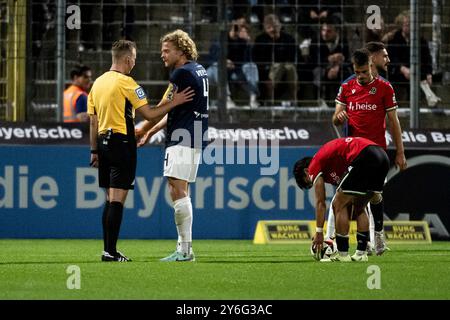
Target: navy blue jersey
(191, 117)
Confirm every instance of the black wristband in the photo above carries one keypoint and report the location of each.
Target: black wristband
(94, 151)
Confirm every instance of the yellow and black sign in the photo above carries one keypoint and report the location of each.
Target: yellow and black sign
(302, 231)
(407, 232)
(282, 231)
(291, 231)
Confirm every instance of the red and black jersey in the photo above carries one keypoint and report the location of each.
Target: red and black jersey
(333, 158)
(366, 106)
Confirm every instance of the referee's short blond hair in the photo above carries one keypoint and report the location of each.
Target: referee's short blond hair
(182, 42)
(121, 48)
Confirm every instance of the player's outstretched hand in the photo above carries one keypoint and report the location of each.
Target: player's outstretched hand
(144, 140)
(318, 243)
(139, 133)
(183, 96)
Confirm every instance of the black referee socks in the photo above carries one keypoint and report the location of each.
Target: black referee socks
(113, 222)
(105, 228)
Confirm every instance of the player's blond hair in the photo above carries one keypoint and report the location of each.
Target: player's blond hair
(182, 42)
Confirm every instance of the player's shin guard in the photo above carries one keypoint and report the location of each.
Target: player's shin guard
(183, 221)
(362, 237)
(105, 226)
(342, 243)
(114, 221)
(377, 212)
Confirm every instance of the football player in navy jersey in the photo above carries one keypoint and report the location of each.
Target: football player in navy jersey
(186, 133)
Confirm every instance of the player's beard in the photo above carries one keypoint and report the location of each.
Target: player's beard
(382, 68)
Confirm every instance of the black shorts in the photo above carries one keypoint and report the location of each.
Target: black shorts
(367, 172)
(117, 161)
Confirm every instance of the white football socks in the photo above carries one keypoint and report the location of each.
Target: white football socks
(330, 224)
(331, 228)
(183, 221)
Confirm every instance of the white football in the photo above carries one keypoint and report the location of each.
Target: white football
(329, 247)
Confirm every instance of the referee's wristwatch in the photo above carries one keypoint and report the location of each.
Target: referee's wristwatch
(94, 151)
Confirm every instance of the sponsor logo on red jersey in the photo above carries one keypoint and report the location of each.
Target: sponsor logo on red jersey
(362, 106)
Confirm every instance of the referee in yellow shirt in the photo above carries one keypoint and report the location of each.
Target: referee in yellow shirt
(112, 103)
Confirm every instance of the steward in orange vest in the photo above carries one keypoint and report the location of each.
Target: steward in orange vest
(75, 96)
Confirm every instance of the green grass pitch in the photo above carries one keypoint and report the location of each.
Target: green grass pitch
(228, 269)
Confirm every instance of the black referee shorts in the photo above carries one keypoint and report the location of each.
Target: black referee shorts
(117, 158)
(367, 172)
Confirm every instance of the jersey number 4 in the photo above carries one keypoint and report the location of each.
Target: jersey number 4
(206, 91)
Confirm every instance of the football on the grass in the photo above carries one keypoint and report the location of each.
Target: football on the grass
(329, 247)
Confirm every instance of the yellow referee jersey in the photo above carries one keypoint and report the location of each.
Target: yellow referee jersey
(114, 97)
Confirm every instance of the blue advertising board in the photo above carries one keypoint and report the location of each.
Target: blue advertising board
(51, 192)
(48, 190)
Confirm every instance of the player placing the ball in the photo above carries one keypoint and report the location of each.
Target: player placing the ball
(358, 167)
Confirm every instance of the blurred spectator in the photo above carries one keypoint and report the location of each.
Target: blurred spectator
(43, 17)
(75, 96)
(90, 27)
(285, 10)
(114, 10)
(242, 8)
(117, 20)
(378, 35)
(312, 13)
(241, 70)
(208, 13)
(364, 35)
(275, 54)
(399, 72)
(330, 59)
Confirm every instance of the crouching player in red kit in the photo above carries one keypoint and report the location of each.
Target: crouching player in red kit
(358, 167)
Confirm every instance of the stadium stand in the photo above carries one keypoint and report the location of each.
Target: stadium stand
(145, 21)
